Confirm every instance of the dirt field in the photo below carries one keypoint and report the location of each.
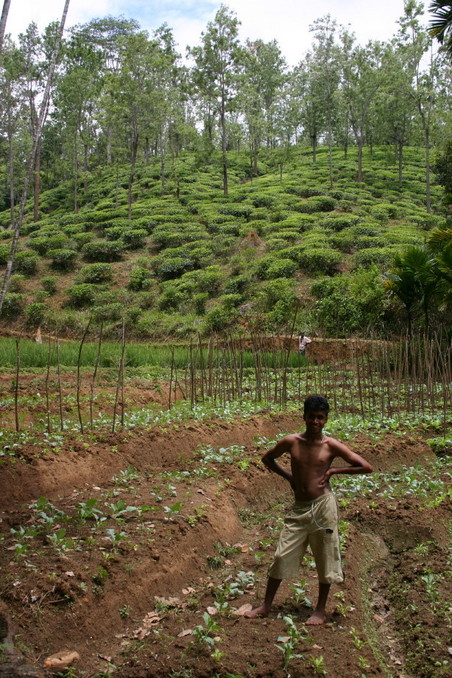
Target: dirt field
(144, 546)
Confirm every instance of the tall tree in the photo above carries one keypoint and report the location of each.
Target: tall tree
(327, 61)
(362, 76)
(32, 160)
(218, 63)
(261, 81)
(416, 43)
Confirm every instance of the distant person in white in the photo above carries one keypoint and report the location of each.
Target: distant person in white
(303, 341)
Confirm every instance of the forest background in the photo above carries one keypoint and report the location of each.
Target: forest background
(228, 190)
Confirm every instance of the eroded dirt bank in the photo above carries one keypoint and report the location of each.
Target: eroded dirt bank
(178, 532)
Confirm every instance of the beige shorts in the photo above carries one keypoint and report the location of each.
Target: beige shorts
(314, 523)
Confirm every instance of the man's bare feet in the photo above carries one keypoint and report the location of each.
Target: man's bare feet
(316, 619)
(256, 613)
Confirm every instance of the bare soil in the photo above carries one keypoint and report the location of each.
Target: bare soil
(128, 601)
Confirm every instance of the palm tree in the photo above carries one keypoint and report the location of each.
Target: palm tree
(414, 280)
(441, 23)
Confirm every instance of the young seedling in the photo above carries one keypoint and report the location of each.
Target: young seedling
(357, 641)
(207, 634)
(299, 593)
(289, 643)
(318, 665)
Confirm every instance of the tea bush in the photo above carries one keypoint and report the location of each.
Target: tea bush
(354, 302)
(99, 250)
(36, 313)
(50, 284)
(13, 305)
(82, 294)
(26, 262)
(95, 273)
(140, 279)
(62, 260)
(134, 239)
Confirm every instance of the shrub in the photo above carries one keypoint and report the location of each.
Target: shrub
(199, 302)
(5, 250)
(99, 250)
(81, 239)
(237, 284)
(96, 273)
(13, 305)
(277, 268)
(134, 239)
(114, 233)
(339, 221)
(140, 279)
(173, 267)
(352, 303)
(36, 313)
(45, 243)
(108, 312)
(238, 211)
(274, 290)
(373, 255)
(82, 294)
(171, 299)
(26, 262)
(63, 260)
(49, 283)
(320, 260)
(16, 283)
(207, 280)
(218, 319)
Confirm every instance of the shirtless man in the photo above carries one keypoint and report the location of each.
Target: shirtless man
(313, 518)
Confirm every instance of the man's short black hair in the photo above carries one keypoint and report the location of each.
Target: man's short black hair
(316, 403)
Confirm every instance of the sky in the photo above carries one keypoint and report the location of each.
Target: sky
(286, 21)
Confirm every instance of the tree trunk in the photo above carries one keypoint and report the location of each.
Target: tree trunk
(359, 177)
(400, 154)
(4, 17)
(132, 173)
(11, 171)
(75, 174)
(37, 181)
(33, 154)
(224, 160)
(428, 202)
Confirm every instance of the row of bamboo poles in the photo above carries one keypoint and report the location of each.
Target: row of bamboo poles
(389, 378)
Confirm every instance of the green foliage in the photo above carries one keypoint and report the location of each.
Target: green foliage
(271, 267)
(140, 279)
(36, 313)
(62, 260)
(99, 250)
(5, 250)
(219, 318)
(134, 239)
(26, 262)
(50, 284)
(82, 295)
(96, 273)
(16, 283)
(13, 305)
(349, 304)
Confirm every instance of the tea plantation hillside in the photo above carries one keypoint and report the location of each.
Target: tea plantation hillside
(193, 261)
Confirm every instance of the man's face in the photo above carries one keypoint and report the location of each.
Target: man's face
(315, 420)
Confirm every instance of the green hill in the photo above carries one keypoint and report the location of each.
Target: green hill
(193, 261)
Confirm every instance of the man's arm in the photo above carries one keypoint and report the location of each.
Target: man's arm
(356, 463)
(278, 450)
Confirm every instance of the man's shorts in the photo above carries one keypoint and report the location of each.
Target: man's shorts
(314, 523)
